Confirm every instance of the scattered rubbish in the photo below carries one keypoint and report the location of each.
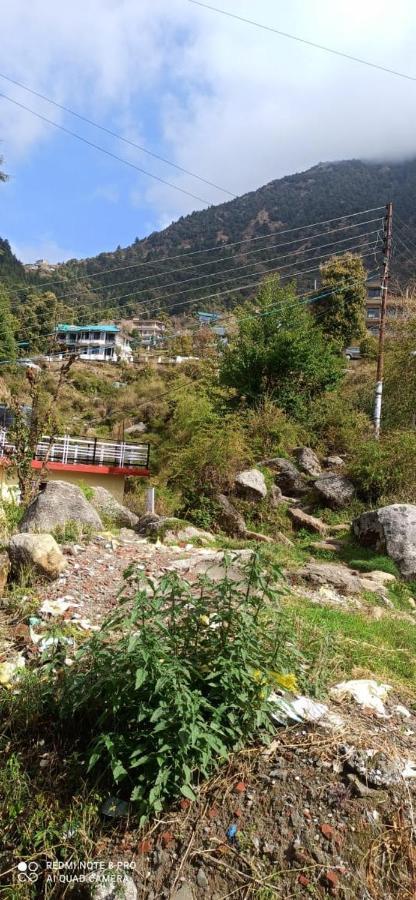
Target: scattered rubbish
(9, 670)
(34, 620)
(54, 607)
(365, 691)
(232, 834)
(403, 711)
(409, 770)
(376, 768)
(296, 709)
(46, 643)
(114, 808)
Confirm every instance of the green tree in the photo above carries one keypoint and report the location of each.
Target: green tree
(279, 351)
(342, 312)
(7, 327)
(3, 176)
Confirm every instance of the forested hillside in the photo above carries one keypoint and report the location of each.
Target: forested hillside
(240, 240)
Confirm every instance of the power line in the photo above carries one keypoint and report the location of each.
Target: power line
(300, 40)
(144, 304)
(84, 140)
(220, 247)
(164, 273)
(115, 135)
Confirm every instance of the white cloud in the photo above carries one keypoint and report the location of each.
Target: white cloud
(236, 104)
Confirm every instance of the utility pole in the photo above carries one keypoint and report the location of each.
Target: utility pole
(387, 239)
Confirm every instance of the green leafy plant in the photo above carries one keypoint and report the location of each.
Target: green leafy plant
(170, 686)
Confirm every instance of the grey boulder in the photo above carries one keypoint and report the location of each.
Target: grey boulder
(251, 484)
(229, 518)
(308, 461)
(58, 503)
(390, 530)
(335, 491)
(107, 506)
(287, 476)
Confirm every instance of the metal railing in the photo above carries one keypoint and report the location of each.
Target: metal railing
(87, 451)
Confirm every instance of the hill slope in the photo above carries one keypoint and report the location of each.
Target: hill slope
(323, 192)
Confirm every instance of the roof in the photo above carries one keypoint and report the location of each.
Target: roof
(112, 329)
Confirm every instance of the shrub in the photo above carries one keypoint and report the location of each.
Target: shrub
(167, 689)
(210, 460)
(335, 425)
(385, 470)
(269, 430)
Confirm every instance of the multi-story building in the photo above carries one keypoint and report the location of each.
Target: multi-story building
(98, 343)
(149, 332)
(396, 306)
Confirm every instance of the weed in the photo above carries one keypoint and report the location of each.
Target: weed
(71, 532)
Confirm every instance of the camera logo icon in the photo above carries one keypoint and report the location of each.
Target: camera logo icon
(28, 871)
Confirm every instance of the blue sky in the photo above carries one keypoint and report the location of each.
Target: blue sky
(225, 100)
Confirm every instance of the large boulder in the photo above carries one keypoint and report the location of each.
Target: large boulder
(335, 491)
(229, 519)
(308, 461)
(287, 476)
(36, 553)
(301, 519)
(390, 530)
(154, 526)
(108, 507)
(251, 484)
(58, 503)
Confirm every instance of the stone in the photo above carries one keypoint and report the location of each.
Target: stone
(188, 533)
(335, 491)
(138, 428)
(229, 519)
(275, 496)
(390, 530)
(38, 553)
(4, 569)
(258, 536)
(153, 526)
(329, 546)
(201, 879)
(56, 504)
(108, 507)
(115, 888)
(251, 484)
(308, 461)
(334, 462)
(287, 476)
(301, 519)
(333, 574)
(184, 893)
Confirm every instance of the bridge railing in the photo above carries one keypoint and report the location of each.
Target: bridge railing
(87, 451)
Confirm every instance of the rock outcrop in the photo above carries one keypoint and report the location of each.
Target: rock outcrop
(58, 503)
(301, 519)
(390, 530)
(287, 476)
(335, 491)
(107, 506)
(251, 484)
(36, 553)
(308, 461)
(229, 519)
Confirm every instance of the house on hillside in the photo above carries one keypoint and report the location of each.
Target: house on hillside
(148, 332)
(207, 318)
(97, 343)
(396, 306)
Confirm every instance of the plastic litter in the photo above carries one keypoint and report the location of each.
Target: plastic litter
(232, 834)
(402, 711)
(365, 691)
(54, 607)
(9, 670)
(296, 709)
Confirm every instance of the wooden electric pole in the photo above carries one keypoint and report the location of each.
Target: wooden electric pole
(388, 230)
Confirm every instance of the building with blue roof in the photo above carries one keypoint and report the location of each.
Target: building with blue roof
(95, 343)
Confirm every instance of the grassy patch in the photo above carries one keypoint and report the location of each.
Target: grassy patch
(385, 648)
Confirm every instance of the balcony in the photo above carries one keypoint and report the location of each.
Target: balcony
(85, 454)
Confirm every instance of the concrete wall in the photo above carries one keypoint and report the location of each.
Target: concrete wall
(112, 483)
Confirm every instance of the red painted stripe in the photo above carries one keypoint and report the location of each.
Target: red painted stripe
(93, 470)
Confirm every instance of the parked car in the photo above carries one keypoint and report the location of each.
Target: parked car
(352, 353)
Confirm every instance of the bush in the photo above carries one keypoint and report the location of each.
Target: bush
(334, 425)
(269, 430)
(209, 462)
(165, 691)
(385, 470)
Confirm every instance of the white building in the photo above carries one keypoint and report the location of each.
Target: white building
(98, 343)
(150, 332)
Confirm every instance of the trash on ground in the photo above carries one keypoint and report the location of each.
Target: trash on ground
(55, 607)
(365, 691)
(296, 709)
(9, 670)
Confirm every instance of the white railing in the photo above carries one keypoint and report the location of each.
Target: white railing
(75, 451)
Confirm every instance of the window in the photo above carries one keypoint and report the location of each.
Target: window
(373, 312)
(374, 292)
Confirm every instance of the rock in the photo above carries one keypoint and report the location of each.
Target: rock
(229, 519)
(275, 496)
(148, 524)
(329, 546)
(334, 462)
(115, 888)
(4, 569)
(153, 526)
(308, 461)
(258, 536)
(251, 484)
(212, 564)
(390, 530)
(281, 538)
(58, 503)
(188, 533)
(184, 893)
(333, 574)
(374, 768)
(107, 506)
(287, 476)
(301, 519)
(139, 428)
(201, 879)
(336, 491)
(38, 553)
